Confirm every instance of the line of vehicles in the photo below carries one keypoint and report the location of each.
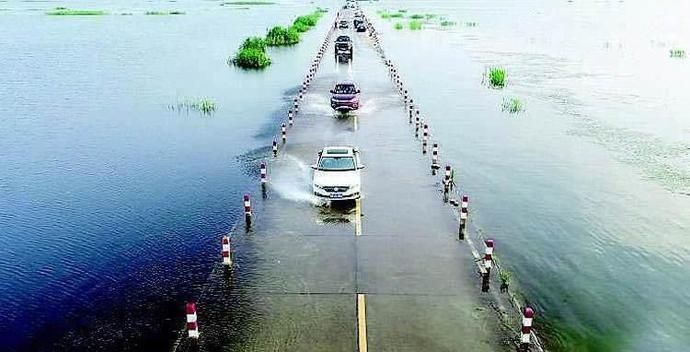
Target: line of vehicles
(337, 171)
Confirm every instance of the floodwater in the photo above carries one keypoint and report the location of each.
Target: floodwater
(111, 204)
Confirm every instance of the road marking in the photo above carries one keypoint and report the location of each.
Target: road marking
(362, 322)
(358, 217)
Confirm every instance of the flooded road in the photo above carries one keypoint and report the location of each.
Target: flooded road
(304, 269)
(111, 204)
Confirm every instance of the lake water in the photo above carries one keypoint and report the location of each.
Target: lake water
(111, 202)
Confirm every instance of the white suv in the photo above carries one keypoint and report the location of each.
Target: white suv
(337, 173)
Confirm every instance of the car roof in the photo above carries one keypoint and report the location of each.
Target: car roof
(338, 151)
(342, 38)
(347, 82)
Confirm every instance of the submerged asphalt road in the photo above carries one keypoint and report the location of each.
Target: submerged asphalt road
(309, 278)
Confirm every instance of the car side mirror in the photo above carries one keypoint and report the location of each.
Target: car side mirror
(360, 167)
(332, 91)
(359, 91)
(314, 167)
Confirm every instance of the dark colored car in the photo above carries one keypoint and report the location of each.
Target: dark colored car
(358, 20)
(343, 24)
(361, 27)
(343, 48)
(345, 96)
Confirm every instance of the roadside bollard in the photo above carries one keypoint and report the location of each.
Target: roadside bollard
(275, 148)
(264, 173)
(488, 261)
(411, 113)
(227, 259)
(425, 138)
(434, 159)
(290, 118)
(527, 318)
(464, 215)
(283, 133)
(417, 123)
(296, 105)
(247, 210)
(446, 183)
(192, 326)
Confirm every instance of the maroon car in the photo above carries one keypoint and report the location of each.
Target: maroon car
(345, 96)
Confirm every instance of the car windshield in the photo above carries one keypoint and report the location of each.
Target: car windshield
(345, 89)
(337, 163)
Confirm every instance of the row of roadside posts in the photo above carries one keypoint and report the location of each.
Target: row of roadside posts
(448, 182)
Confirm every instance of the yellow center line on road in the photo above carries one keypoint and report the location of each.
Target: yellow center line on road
(362, 322)
(358, 217)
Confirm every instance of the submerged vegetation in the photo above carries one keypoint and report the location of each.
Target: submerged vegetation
(205, 106)
(415, 25)
(279, 36)
(678, 53)
(398, 26)
(252, 53)
(63, 11)
(512, 105)
(497, 77)
(163, 13)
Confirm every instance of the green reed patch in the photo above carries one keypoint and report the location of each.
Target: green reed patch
(281, 36)
(398, 26)
(677, 53)
(164, 13)
(241, 3)
(63, 11)
(205, 106)
(415, 25)
(497, 77)
(512, 105)
(417, 16)
(251, 55)
(446, 23)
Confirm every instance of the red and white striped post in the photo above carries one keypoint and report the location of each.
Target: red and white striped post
(296, 105)
(488, 255)
(283, 132)
(290, 118)
(411, 113)
(446, 182)
(227, 258)
(527, 318)
(247, 210)
(464, 214)
(192, 326)
(264, 173)
(434, 158)
(425, 138)
(275, 148)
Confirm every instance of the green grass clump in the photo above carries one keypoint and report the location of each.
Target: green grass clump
(415, 25)
(447, 23)
(164, 13)
(417, 16)
(204, 105)
(248, 3)
(512, 105)
(385, 15)
(252, 54)
(504, 275)
(398, 26)
(397, 15)
(63, 11)
(308, 20)
(497, 77)
(280, 36)
(679, 53)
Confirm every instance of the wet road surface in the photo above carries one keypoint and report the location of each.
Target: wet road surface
(312, 277)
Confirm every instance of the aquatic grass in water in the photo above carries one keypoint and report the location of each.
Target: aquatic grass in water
(417, 16)
(397, 15)
(204, 105)
(415, 25)
(63, 11)
(281, 36)
(512, 105)
(497, 77)
(252, 54)
(164, 13)
(248, 3)
(677, 53)
(398, 26)
(447, 23)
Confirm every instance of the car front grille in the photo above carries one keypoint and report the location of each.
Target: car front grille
(336, 188)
